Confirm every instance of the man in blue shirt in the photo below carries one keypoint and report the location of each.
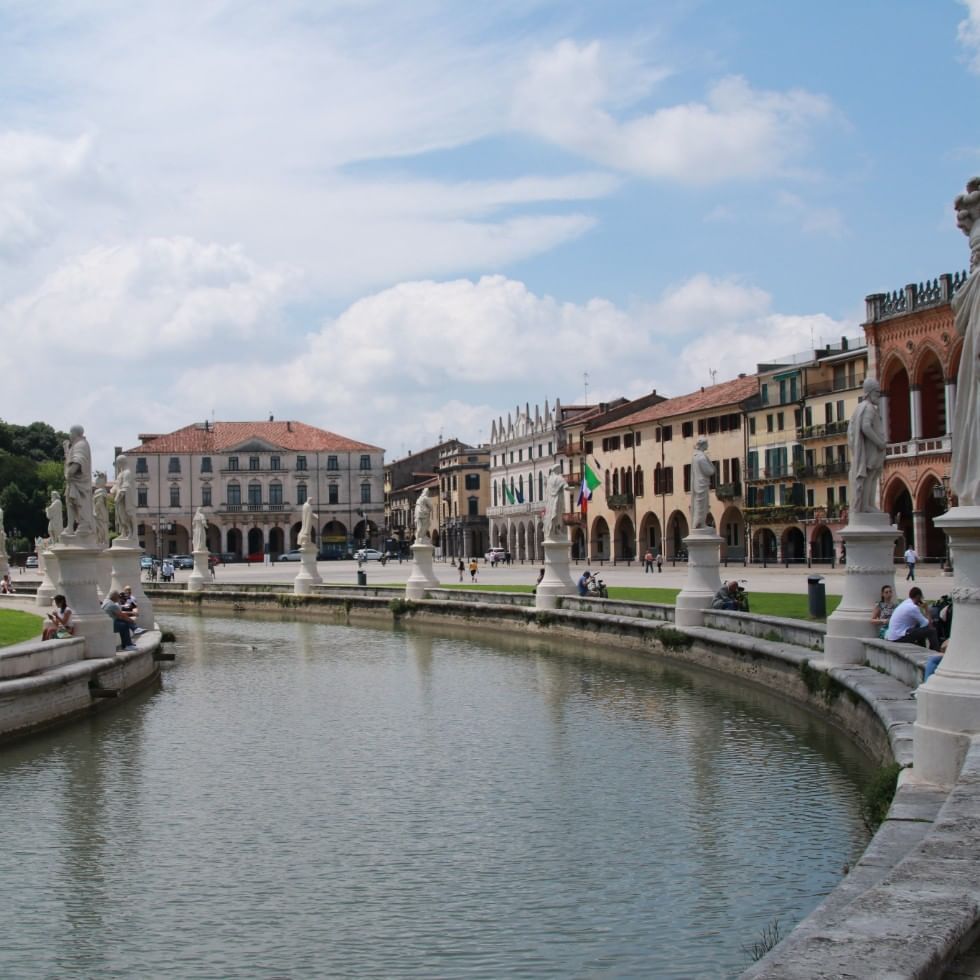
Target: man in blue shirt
(583, 583)
(908, 624)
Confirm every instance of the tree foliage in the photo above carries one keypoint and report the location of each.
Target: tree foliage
(31, 466)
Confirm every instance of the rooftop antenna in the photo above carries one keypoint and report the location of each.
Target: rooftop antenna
(811, 335)
(714, 374)
(585, 379)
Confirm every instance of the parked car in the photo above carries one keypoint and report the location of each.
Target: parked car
(495, 554)
(182, 561)
(31, 561)
(147, 562)
(294, 555)
(368, 554)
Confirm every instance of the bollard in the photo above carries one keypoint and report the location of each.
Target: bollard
(362, 578)
(816, 596)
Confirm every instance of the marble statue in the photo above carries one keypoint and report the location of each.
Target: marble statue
(702, 473)
(554, 507)
(39, 545)
(100, 510)
(56, 518)
(965, 473)
(423, 515)
(200, 531)
(866, 444)
(78, 483)
(122, 492)
(305, 536)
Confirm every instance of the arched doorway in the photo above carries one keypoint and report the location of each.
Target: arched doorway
(276, 538)
(651, 535)
(676, 532)
(931, 506)
(625, 539)
(898, 503)
(521, 542)
(578, 544)
(896, 388)
(213, 539)
(600, 539)
(234, 539)
(932, 396)
(764, 545)
(732, 534)
(794, 545)
(256, 544)
(822, 543)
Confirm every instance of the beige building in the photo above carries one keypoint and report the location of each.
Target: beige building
(252, 479)
(464, 495)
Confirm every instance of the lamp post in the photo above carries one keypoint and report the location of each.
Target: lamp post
(941, 493)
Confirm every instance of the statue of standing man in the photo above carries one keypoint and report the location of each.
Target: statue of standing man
(78, 484)
(702, 473)
(866, 444)
(200, 530)
(554, 507)
(100, 510)
(423, 516)
(965, 473)
(305, 535)
(56, 519)
(122, 492)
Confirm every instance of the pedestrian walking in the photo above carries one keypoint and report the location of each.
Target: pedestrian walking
(473, 569)
(660, 561)
(910, 559)
(460, 568)
(648, 561)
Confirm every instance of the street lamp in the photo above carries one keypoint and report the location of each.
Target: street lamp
(941, 494)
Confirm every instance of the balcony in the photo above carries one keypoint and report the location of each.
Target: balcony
(820, 471)
(246, 471)
(619, 501)
(838, 384)
(729, 491)
(253, 508)
(793, 513)
(919, 447)
(508, 510)
(770, 473)
(829, 430)
(572, 519)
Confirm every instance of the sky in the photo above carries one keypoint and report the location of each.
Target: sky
(401, 220)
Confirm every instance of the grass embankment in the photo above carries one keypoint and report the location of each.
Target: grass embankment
(763, 603)
(17, 626)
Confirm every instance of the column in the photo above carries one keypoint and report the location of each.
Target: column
(883, 411)
(915, 412)
(919, 536)
(950, 404)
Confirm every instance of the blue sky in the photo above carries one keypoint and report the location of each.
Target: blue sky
(399, 220)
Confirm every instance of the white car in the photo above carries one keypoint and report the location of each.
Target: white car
(496, 554)
(368, 554)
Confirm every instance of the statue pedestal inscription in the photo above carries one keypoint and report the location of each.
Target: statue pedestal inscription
(948, 705)
(308, 574)
(200, 573)
(870, 539)
(50, 586)
(422, 577)
(557, 579)
(78, 565)
(125, 555)
(703, 579)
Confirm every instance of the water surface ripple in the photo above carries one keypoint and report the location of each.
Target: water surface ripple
(306, 800)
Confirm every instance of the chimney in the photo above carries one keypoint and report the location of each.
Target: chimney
(742, 375)
(272, 417)
(289, 426)
(118, 451)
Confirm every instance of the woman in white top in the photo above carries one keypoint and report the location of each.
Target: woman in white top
(60, 624)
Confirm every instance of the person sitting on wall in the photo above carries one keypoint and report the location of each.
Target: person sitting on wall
(726, 597)
(583, 583)
(883, 609)
(122, 622)
(908, 624)
(6, 587)
(60, 624)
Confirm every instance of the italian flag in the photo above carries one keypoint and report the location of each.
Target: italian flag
(589, 482)
(509, 494)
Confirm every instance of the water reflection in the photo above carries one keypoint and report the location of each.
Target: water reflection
(304, 798)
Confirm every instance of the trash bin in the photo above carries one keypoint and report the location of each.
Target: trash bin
(362, 578)
(817, 595)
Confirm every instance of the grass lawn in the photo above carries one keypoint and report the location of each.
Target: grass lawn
(764, 603)
(17, 626)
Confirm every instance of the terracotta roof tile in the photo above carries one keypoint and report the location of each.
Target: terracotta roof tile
(714, 396)
(219, 437)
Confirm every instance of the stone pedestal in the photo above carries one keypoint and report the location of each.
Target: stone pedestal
(423, 577)
(4, 563)
(125, 555)
(200, 573)
(703, 579)
(309, 574)
(78, 564)
(47, 565)
(557, 579)
(105, 574)
(948, 705)
(870, 540)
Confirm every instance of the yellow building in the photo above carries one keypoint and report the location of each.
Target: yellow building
(464, 493)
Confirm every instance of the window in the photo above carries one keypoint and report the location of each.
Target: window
(473, 507)
(638, 438)
(234, 495)
(365, 462)
(840, 411)
(669, 479)
(174, 495)
(206, 495)
(610, 443)
(687, 430)
(205, 464)
(752, 426)
(301, 462)
(639, 481)
(174, 465)
(780, 421)
(333, 494)
(588, 448)
(494, 493)
(472, 481)
(551, 449)
(253, 462)
(712, 425)
(830, 496)
(540, 486)
(332, 463)
(764, 392)
(454, 481)
(752, 462)
(141, 497)
(809, 498)
(687, 478)
(275, 462)
(842, 495)
(828, 411)
(300, 493)
(365, 493)
(275, 493)
(769, 425)
(141, 464)
(702, 427)
(233, 462)
(520, 455)
(255, 494)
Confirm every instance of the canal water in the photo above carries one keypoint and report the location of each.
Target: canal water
(307, 800)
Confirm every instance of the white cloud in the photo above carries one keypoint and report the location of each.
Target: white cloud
(737, 132)
(968, 33)
(702, 302)
(809, 217)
